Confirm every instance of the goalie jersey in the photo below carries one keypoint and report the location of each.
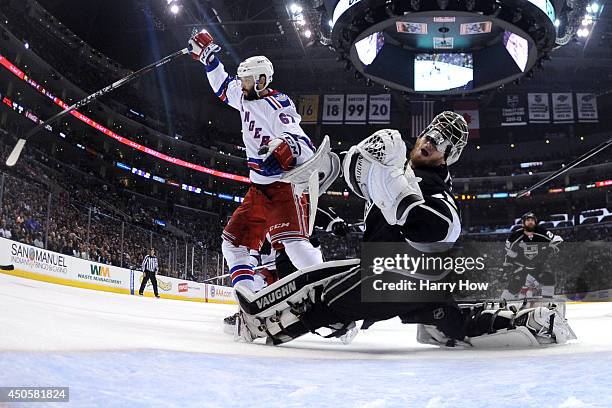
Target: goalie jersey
(263, 119)
(430, 225)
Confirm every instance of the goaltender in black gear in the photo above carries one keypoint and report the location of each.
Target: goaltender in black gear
(409, 199)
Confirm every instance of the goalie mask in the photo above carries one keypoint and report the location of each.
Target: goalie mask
(448, 132)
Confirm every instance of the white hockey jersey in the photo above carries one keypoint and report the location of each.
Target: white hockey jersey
(263, 119)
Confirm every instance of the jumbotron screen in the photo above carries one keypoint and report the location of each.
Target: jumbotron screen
(443, 71)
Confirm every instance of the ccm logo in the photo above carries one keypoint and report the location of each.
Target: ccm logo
(281, 225)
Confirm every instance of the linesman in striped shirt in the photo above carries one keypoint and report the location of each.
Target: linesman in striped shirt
(150, 267)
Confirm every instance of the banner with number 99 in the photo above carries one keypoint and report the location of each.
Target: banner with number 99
(355, 111)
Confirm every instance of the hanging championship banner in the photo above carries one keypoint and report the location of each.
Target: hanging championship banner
(308, 108)
(586, 103)
(469, 111)
(333, 109)
(355, 110)
(513, 112)
(379, 109)
(563, 107)
(539, 108)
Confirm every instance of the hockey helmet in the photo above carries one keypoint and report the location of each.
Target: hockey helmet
(255, 67)
(528, 215)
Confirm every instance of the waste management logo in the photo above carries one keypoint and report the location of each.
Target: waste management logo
(35, 258)
(99, 273)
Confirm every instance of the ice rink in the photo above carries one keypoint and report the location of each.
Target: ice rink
(127, 351)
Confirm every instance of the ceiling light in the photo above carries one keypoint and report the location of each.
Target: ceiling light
(295, 8)
(594, 7)
(174, 8)
(307, 33)
(557, 23)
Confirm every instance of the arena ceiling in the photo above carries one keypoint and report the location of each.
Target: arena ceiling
(137, 32)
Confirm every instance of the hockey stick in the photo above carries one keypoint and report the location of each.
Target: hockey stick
(16, 152)
(216, 277)
(570, 166)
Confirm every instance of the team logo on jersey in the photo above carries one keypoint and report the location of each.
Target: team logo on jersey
(529, 250)
(281, 97)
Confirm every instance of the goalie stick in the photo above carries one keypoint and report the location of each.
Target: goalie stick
(16, 152)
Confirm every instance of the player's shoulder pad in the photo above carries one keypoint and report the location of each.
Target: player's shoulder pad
(515, 234)
(545, 232)
(278, 100)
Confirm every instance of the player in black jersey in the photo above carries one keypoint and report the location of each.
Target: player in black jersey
(527, 250)
(409, 199)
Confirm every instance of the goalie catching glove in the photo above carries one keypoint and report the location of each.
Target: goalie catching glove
(202, 47)
(376, 171)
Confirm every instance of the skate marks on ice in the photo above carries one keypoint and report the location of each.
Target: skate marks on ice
(118, 350)
(40, 316)
(178, 379)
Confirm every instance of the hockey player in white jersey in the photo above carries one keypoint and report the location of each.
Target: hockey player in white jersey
(275, 143)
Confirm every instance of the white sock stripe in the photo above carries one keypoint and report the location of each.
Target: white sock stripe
(281, 234)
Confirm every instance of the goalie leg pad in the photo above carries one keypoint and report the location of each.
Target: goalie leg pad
(276, 312)
(518, 337)
(502, 327)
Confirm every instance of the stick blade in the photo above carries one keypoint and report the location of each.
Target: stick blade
(14, 156)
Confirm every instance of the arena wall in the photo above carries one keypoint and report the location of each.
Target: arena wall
(31, 262)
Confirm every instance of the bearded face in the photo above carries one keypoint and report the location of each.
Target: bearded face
(529, 225)
(248, 87)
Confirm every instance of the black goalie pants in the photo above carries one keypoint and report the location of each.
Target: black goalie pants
(342, 301)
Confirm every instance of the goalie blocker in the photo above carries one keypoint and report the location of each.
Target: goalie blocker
(328, 296)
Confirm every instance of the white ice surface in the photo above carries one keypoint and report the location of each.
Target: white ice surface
(119, 350)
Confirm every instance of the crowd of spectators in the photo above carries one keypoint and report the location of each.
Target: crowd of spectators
(53, 210)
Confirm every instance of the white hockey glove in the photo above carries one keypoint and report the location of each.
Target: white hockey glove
(374, 170)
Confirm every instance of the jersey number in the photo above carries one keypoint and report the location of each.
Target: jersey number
(286, 119)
